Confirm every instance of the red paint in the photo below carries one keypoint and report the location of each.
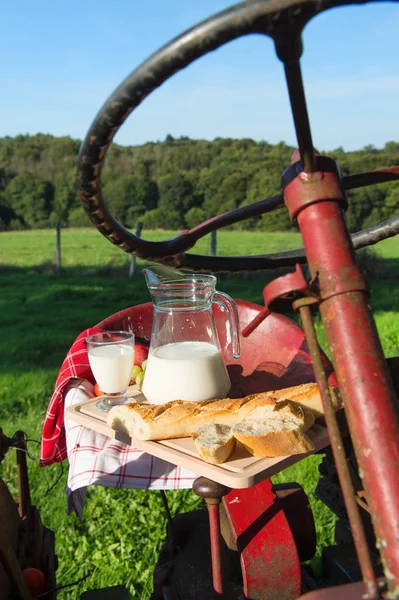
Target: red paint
(304, 189)
(360, 367)
(284, 287)
(260, 317)
(214, 526)
(269, 558)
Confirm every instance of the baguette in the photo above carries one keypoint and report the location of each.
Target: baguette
(179, 419)
(214, 443)
(307, 395)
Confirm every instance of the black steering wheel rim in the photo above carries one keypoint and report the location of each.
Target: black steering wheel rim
(275, 18)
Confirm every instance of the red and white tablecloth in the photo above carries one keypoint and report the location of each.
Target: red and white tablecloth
(95, 459)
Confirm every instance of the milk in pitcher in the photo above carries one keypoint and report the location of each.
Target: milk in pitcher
(189, 370)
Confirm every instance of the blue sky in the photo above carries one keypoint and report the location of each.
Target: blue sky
(59, 61)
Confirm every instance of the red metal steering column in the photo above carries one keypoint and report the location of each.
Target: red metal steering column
(315, 201)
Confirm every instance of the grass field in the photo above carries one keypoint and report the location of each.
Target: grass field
(41, 314)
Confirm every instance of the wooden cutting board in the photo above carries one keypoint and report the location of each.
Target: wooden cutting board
(241, 470)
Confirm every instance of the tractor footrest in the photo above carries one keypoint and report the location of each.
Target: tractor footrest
(116, 592)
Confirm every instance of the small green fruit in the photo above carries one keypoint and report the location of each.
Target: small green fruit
(144, 364)
(135, 371)
(139, 379)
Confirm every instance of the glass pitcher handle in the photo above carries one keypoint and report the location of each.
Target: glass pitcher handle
(232, 314)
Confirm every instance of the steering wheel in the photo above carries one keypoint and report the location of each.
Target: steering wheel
(283, 21)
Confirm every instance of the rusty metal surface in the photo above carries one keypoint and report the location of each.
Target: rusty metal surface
(338, 449)
(215, 541)
(360, 368)
(302, 189)
(213, 493)
(269, 557)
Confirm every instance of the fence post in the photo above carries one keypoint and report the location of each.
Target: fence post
(132, 264)
(213, 243)
(58, 248)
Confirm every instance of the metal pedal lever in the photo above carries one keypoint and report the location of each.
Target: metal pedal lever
(213, 493)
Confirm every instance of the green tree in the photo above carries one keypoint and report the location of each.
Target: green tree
(152, 219)
(78, 217)
(194, 216)
(30, 197)
(159, 219)
(65, 197)
(176, 197)
(391, 204)
(7, 215)
(365, 207)
(229, 195)
(166, 181)
(277, 220)
(129, 197)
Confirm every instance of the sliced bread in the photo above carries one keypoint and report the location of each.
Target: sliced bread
(214, 443)
(272, 438)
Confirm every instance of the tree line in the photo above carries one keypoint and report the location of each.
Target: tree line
(174, 184)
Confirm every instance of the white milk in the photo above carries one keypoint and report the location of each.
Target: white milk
(185, 371)
(112, 366)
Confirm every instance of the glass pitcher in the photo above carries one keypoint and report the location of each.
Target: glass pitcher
(185, 360)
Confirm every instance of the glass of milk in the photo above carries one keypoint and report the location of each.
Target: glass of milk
(185, 361)
(111, 358)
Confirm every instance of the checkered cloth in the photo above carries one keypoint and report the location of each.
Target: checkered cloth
(95, 459)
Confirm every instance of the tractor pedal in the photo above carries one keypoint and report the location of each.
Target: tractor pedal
(116, 592)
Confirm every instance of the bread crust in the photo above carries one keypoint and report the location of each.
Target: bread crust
(307, 395)
(220, 449)
(274, 443)
(178, 418)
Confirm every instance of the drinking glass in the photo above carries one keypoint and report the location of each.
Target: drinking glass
(111, 358)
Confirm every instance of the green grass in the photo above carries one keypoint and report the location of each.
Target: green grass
(41, 314)
(87, 248)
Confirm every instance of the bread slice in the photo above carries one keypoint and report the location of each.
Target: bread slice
(307, 395)
(214, 443)
(272, 439)
(282, 412)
